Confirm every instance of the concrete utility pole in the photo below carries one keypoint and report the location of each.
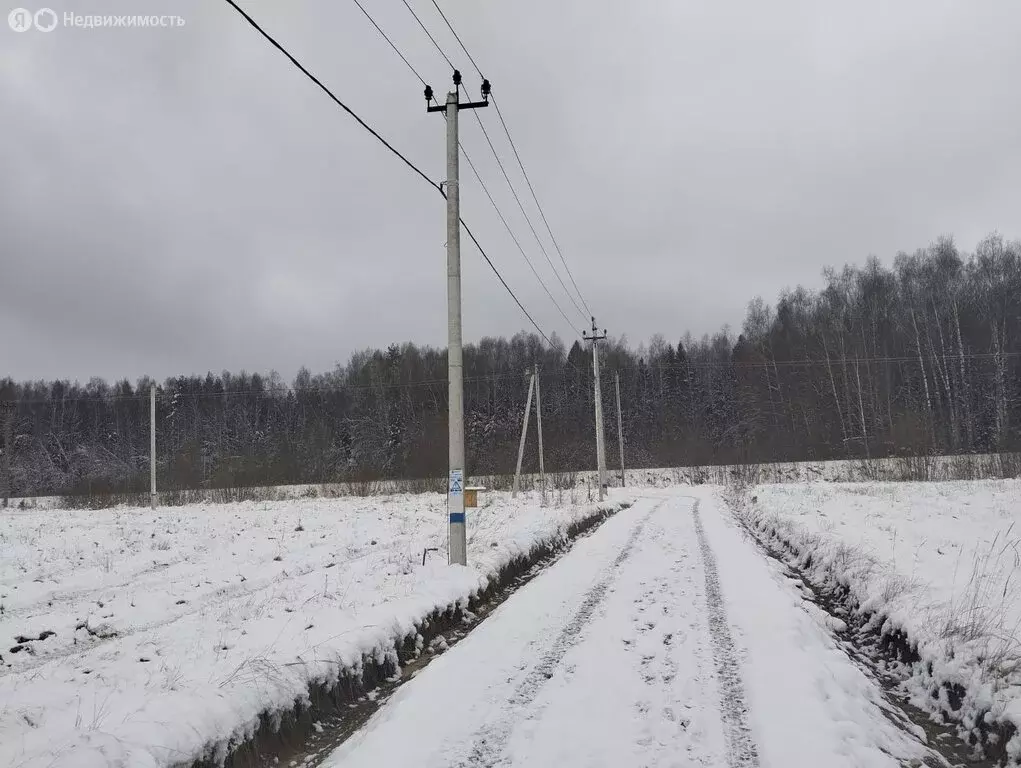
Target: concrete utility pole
(458, 545)
(524, 433)
(595, 338)
(152, 446)
(538, 418)
(620, 429)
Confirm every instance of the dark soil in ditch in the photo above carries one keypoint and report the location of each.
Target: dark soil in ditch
(880, 656)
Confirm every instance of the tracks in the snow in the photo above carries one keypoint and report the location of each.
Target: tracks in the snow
(669, 651)
(641, 609)
(741, 749)
(489, 745)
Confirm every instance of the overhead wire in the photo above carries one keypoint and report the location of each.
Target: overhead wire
(535, 198)
(506, 177)
(330, 93)
(385, 37)
(387, 144)
(456, 37)
(528, 221)
(513, 237)
(479, 246)
(517, 155)
(472, 165)
(428, 34)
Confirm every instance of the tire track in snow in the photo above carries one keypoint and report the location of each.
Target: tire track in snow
(741, 749)
(489, 745)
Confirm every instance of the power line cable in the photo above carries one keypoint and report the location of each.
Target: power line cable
(510, 232)
(479, 246)
(524, 213)
(471, 164)
(395, 48)
(535, 198)
(428, 33)
(509, 183)
(517, 155)
(506, 177)
(456, 37)
(330, 93)
(389, 146)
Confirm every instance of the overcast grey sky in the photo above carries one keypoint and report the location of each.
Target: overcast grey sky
(181, 200)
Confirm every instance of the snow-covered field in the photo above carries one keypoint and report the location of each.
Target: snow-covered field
(139, 638)
(663, 639)
(939, 561)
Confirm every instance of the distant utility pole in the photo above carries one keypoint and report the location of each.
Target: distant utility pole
(458, 545)
(7, 415)
(524, 434)
(620, 429)
(595, 338)
(538, 418)
(152, 446)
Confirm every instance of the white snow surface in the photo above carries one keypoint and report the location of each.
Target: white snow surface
(611, 657)
(175, 629)
(939, 561)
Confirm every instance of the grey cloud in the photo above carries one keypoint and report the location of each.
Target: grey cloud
(182, 200)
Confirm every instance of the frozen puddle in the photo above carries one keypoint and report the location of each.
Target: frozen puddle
(663, 639)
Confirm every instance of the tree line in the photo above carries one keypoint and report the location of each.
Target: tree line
(921, 357)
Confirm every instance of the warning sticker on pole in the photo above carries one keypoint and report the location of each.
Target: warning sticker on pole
(456, 482)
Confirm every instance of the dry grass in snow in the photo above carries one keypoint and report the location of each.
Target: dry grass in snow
(940, 562)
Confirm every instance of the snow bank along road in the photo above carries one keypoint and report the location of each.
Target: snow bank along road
(663, 639)
(932, 566)
(142, 639)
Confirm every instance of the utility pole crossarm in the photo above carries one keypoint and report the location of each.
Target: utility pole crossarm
(429, 107)
(464, 105)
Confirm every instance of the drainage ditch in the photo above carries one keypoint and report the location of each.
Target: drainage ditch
(887, 657)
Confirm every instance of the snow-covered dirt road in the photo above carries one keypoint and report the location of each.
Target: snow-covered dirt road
(663, 639)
